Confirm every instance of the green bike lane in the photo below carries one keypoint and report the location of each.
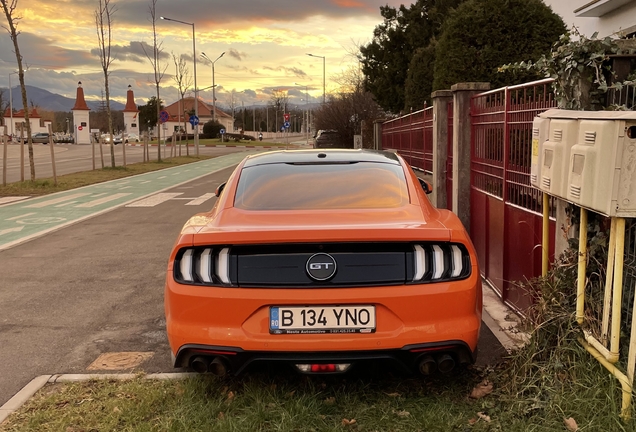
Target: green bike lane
(31, 218)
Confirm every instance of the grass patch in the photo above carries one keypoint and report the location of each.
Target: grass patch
(85, 178)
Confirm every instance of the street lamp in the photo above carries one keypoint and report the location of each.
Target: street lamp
(306, 108)
(196, 91)
(11, 102)
(323, 74)
(213, 83)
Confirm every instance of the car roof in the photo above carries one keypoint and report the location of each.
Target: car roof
(321, 156)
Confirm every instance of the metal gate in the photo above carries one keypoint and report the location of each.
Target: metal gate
(505, 211)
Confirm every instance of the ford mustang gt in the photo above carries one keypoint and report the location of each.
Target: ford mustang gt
(322, 259)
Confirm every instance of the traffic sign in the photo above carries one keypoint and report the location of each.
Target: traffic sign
(286, 125)
(79, 128)
(282, 128)
(286, 117)
(194, 120)
(222, 131)
(164, 116)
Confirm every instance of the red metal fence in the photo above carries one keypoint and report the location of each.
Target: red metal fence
(412, 137)
(505, 211)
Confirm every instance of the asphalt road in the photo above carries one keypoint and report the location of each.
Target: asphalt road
(93, 287)
(97, 287)
(71, 158)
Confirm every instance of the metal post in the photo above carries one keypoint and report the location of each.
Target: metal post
(196, 92)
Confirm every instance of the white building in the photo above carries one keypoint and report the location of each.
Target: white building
(607, 17)
(13, 122)
(81, 117)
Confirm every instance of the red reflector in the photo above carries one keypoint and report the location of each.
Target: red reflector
(206, 351)
(323, 367)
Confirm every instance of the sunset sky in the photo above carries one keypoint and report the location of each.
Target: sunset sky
(265, 44)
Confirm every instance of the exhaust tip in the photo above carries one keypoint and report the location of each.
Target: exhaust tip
(200, 364)
(427, 365)
(218, 367)
(445, 363)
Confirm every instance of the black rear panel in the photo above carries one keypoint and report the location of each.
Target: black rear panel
(355, 265)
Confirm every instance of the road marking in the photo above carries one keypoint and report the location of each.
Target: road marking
(162, 177)
(99, 194)
(56, 200)
(10, 230)
(5, 200)
(154, 200)
(201, 199)
(66, 203)
(177, 173)
(41, 220)
(144, 182)
(21, 216)
(125, 187)
(97, 202)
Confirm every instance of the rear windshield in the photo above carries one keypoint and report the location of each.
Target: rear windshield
(321, 186)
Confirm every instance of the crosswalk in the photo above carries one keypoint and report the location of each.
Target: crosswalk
(160, 198)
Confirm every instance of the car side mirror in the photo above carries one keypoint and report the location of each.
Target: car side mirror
(219, 189)
(426, 186)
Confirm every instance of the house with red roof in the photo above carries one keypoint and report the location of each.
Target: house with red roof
(180, 112)
(14, 121)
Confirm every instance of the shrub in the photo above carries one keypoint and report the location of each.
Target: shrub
(212, 129)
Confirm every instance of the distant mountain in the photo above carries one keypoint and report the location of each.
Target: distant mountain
(48, 101)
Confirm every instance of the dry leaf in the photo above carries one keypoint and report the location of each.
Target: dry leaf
(230, 395)
(571, 425)
(483, 389)
(116, 409)
(396, 394)
(330, 400)
(220, 416)
(403, 413)
(346, 422)
(472, 421)
(291, 393)
(484, 417)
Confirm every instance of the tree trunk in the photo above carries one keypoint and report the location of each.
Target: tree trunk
(158, 126)
(14, 37)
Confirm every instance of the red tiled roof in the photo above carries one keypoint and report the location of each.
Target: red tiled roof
(33, 114)
(130, 102)
(80, 102)
(205, 110)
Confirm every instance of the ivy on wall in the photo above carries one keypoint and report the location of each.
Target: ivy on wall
(581, 68)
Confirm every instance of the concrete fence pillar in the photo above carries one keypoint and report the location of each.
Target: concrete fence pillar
(441, 99)
(377, 134)
(462, 94)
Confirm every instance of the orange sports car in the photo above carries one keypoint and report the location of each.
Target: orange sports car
(322, 259)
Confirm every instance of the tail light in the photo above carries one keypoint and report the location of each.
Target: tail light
(440, 262)
(203, 266)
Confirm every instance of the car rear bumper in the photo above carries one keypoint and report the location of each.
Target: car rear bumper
(407, 315)
(406, 359)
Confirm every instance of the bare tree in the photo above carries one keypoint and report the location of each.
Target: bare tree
(158, 67)
(9, 7)
(351, 110)
(184, 80)
(103, 23)
(278, 101)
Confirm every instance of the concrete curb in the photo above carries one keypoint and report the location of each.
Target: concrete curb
(37, 383)
(502, 320)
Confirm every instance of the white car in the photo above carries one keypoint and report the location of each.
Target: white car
(131, 137)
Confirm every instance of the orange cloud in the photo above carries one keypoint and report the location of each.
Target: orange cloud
(349, 3)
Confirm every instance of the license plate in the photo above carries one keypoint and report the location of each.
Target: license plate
(321, 319)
